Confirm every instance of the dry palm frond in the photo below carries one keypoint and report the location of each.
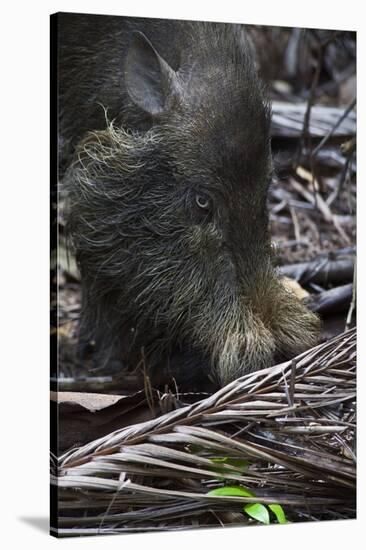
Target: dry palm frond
(287, 433)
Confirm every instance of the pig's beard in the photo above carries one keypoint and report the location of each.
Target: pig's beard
(254, 331)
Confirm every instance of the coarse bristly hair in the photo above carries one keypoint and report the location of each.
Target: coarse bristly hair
(186, 290)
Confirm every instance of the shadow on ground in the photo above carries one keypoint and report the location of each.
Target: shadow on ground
(39, 523)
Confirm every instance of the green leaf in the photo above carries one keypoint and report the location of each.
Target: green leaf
(257, 511)
(278, 512)
(231, 492)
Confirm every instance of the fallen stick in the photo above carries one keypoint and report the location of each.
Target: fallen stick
(321, 271)
(288, 120)
(331, 301)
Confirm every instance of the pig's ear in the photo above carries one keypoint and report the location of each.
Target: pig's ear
(150, 81)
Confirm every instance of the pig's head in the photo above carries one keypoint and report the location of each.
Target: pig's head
(170, 224)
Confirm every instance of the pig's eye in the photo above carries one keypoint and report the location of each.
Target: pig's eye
(203, 201)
